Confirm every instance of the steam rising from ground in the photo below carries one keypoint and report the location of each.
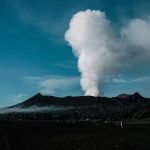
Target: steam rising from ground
(94, 43)
(98, 50)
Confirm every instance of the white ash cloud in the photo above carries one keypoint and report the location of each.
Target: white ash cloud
(136, 36)
(93, 42)
(137, 33)
(98, 50)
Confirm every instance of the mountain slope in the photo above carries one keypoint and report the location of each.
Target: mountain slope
(121, 107)
(40, 100)
(114, 104)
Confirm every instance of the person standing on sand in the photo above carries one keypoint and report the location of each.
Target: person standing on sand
(121, 124)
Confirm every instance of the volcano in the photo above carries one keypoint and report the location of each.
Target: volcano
(123, 106)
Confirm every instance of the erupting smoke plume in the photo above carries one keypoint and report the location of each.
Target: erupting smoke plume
(94, 43)
(98, 50)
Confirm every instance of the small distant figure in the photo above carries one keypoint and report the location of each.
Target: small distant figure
(97, 124)
(121, 124)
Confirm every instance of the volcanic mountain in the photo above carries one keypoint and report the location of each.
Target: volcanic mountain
(123, 106)
(123, 100)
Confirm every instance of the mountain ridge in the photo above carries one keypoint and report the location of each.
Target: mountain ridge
(82, 107)
(45, 100)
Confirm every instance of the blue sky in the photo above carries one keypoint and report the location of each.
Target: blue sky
(35, 58)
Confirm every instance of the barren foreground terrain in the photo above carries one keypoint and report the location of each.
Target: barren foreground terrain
(85, 135)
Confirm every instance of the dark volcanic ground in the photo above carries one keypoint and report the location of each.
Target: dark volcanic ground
(48, 135)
